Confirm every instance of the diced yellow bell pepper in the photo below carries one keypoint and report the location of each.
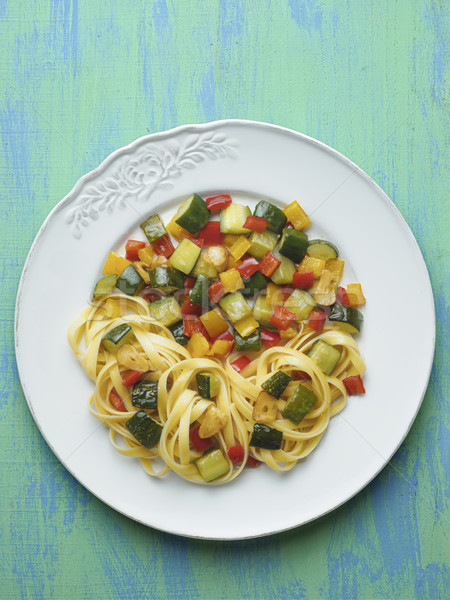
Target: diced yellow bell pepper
(240, 247)
(146, 255)
(115, 264)
(288, 333)
(220, 348)
(139, 266)
(336, 268)
(214, 323)
(232, 263)
(159, 261)
(198, 346)
(229, 239)
(274, 295)
(355, 294)
(231, 280)
(246, 326)
(176, 231)
(316, 265)
(297, 216)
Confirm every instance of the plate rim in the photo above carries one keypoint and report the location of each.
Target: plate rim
(195, 128)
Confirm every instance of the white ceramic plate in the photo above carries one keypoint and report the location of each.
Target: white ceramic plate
(258, 161)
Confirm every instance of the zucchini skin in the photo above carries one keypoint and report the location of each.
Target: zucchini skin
(145, 394)
(276, 219)
(194, 214)
(177, 332)
(277, 383)
(250, 342)
(199, 293)
(266, 437)
(346, 314)
(146, 431)
(261, 243)
(299, 405)
(116, 337)
(207, 385)
(104, 287)
(255, 283)
(294, 244)
(166, 279)
(130, 282)
(322, 249)
(153, 228)
(325, 355)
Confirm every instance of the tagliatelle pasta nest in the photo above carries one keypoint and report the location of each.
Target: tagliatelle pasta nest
(179, 404)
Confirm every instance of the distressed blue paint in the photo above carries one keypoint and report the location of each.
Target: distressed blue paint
(307, 14)
(160, 15)
(207, 95)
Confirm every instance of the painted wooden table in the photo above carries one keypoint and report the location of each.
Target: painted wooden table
(81, 78)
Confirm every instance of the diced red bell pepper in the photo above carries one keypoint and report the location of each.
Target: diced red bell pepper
(282, 317)
(200, 444)
(236, 454)
(189, 283)
(341, 296)
(240, 363)
(270, 338)
(303, 375)
(130, 377)
(354, 385)
(192, 324)
(248, 267)
(269, 264)
(116, 400)
(317, 320)
(255, 224)
(211, 234)
(150, 294)
(198, 242)
(132, 248)
(252, 462)
(191, 308)
(303, 280)
(215, 203)
(216, 292)
(163, 246)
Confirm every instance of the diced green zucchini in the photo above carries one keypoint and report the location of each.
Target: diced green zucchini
(153, 228)
(262, 311)
(276, 219)
(185, 256)
(299, 405)
(166, 279)
(208, 385)
(322, 249)
(293, 244)
(145, 429)
(212, 465)
(193, 214)
(277, 383)
(250, 342)
(301, 303)
(325, 355)
(235, 306)
(199, 293)
(347, 318)
(130, 282)
(285, 272)
(145, 394)
(255, 283)
(266, 437)
(233, 217)
(104, 287)
(203, 267)
(117, 337)
(167, 310)
(177, 332)
(261, 243)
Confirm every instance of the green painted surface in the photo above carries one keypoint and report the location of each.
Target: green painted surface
(80, 79)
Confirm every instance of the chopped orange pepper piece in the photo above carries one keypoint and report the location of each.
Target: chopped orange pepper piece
(115, 264)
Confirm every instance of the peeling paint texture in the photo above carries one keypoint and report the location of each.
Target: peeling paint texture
(80, 78)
